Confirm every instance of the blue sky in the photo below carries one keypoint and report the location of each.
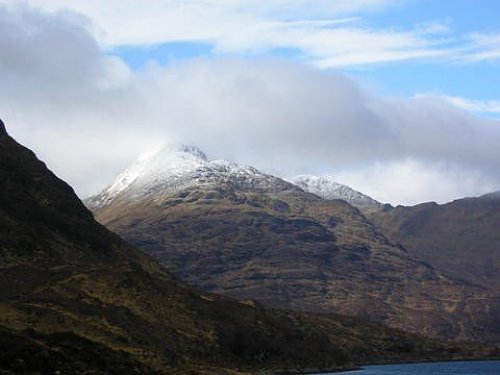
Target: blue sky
(441, 26)
(398, 98)
(480, 81)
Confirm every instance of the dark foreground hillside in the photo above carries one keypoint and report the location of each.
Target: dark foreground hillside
(75, 298)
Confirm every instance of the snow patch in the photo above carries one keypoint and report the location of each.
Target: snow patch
(327, 188)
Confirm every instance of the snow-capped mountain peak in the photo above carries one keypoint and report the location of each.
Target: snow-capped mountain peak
(170, 161)
(327, 188)
(177, 167)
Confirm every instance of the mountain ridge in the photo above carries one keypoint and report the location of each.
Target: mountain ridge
(327, 188)
(492, 195)
(273, 242)
(460, 238)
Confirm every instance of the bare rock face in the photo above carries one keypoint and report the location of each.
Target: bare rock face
(255, 236)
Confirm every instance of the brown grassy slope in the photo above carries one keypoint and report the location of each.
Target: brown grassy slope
(461, 238)
(77, 299)
(295, 250)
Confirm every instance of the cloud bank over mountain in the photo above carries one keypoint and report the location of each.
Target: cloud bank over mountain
(88, 114)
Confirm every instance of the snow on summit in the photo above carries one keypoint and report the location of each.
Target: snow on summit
(171, 161)
(327, 188)
(180, 166)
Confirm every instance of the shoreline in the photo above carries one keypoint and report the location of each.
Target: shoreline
(361, 367)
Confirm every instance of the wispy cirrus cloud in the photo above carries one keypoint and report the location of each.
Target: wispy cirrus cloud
(325, 33)
(488, 107)
(128, 22)
(482, 47)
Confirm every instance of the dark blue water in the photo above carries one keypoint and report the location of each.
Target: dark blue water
(438, 368)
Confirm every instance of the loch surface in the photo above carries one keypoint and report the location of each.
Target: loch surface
(437, 368)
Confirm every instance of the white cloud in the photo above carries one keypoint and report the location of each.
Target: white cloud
(128, 22)
(472, 48)
(482, 47)
(327, 33)
(88, 122)
(411, 181)
(434, 27)
(491, 107)
(315, 28)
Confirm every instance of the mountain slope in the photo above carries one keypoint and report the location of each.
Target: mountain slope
(461, 238)
(76, 299)
(327, 188)
(262, 238)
